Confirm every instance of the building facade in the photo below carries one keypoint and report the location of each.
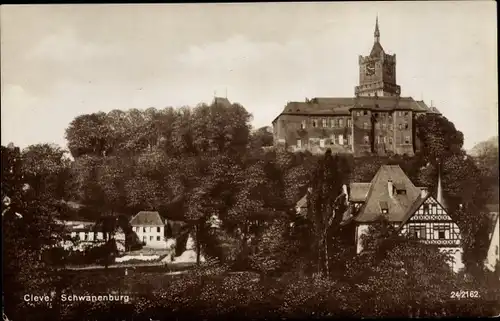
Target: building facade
(493, 255)
(150, 229)
(377, 120)
(83, 235)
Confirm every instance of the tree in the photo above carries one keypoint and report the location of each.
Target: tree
(262, 137)
(326, 205)
(46, 168)
(28, 229)
(89, 135)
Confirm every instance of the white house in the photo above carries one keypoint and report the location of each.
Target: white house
(150, 228)
(87, 234)
(493, 255)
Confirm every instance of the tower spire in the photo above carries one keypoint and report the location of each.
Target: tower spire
(377, 31)
(439, 193)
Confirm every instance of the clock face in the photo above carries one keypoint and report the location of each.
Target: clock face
(370, 69)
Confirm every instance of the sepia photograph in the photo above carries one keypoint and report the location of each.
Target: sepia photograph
(249, 161)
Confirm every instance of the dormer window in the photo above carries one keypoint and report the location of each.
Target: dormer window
(400, 189)
(384, 208)
(426, 208)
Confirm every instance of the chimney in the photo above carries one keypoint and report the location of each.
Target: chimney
(390, 188)
(423, 192)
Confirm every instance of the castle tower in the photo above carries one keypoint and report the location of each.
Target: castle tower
(377, 71)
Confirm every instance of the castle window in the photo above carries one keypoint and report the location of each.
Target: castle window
(341, 122)
(303, 124)
(324, 122)
(349, 123)
(407, 139)
(366, 140)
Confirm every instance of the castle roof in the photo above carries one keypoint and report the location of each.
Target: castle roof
(338, 106)
(376, 50)
(147, 218)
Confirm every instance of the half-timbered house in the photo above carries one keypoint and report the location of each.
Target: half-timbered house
(412, 210)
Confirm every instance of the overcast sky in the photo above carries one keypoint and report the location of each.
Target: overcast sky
(58, 62)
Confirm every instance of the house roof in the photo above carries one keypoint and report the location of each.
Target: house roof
(398, 205)
(147, 218)
(358, 191)
(326, 106)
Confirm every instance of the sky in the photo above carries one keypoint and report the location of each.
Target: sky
(61, 61)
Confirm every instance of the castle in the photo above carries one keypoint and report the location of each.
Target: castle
(377, 121)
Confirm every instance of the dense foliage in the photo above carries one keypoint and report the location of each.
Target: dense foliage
(194, 164)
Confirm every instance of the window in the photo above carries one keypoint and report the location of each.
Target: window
(144, 229)
(349, 123)
(365, 125)
(157, 238)
(341, 140)
(407, 139)
(314, 122)
(390, 140)
(426, 208)
(86, 236)
(417, 232)
(341, 123)
(151, 238)
(299, 143)
(357, 114)
(406, 113)
(321, 143)
(441, 235)
(336, 124)
(158, 229)
(144, 239)
(366, 140)
(400, 126)
(332, 122)
(400, 113)
(333, 139)
(406, 125)
(324, 122)
(365, 112)
(303, 124)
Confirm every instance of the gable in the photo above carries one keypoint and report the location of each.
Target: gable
(430, 210)
(147, 218)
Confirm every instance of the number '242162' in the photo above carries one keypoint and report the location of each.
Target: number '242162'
(463, 294)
